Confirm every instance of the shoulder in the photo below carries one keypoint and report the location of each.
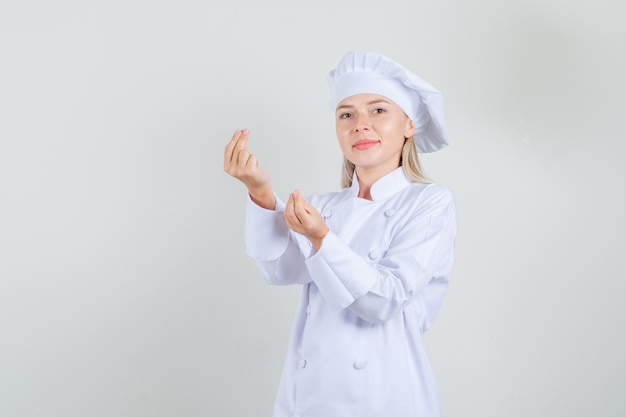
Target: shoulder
(425, 197)
(430, 191)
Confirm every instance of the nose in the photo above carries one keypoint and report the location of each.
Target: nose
(362, 122)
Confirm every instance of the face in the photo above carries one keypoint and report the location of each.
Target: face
(371, 130)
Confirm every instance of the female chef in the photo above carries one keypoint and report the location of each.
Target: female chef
(373, 259)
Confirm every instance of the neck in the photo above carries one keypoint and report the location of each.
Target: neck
(366, 179)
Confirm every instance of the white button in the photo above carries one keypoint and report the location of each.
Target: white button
(327, 213)
(302, 363)
(390, 212)
(360, 365)
(374, 254)
(308, 309)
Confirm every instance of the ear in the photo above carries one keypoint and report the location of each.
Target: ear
(409, 128)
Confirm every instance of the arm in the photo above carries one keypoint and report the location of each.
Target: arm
(268, 240)
(279, 252)
(420, 254)
(242, 165)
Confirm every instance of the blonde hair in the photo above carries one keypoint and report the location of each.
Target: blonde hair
(409, 161)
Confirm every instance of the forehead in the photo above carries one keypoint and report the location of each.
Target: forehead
(364, 99)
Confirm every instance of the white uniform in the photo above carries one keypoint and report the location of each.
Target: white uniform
(368, 294)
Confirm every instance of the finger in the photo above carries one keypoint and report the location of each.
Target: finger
(300, 205)
(293, 212)
(242, 157)
(238, 143)
(303, 204)
(228, 151)
(290, 211)
(252, 161)
(236, 135)
(242, 143)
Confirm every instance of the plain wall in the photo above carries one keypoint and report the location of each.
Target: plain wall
(124, 285)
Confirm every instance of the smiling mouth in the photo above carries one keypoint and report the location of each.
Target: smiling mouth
(364, 144)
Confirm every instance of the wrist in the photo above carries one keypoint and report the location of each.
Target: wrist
(317, 241)
(263, 197)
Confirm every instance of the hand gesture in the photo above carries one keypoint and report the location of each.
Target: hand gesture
(303, 218)
(241, 164)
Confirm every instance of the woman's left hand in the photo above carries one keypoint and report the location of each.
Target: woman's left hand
(303, 218)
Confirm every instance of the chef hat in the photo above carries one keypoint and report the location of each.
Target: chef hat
(365, 72)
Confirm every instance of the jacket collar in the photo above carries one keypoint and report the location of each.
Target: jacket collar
(385, 186)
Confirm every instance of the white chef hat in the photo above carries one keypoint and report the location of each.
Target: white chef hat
(365, 72)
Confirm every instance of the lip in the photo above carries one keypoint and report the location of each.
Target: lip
(364, 144)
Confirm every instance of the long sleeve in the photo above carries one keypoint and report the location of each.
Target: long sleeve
(277, 250)
(420, 254)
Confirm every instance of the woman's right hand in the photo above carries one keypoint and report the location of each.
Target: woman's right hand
(241, 164)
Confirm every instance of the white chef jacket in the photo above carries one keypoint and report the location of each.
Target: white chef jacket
(368, 294)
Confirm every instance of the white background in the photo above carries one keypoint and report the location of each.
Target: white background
(124, 285)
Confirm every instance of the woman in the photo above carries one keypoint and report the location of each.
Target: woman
(373, 259)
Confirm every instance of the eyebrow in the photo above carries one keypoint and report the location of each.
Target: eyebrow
(369, 103)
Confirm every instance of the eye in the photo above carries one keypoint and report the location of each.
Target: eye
(345, 115)
(379, 110)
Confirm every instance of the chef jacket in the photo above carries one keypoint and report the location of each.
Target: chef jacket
(375, 285)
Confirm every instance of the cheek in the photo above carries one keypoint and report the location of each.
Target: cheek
(343, 139)
(342, 133)
(341, 126)
(396, 130)
(344, 145)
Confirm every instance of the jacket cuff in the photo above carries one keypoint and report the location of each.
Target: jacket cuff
(341, 275)
(266, 234)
